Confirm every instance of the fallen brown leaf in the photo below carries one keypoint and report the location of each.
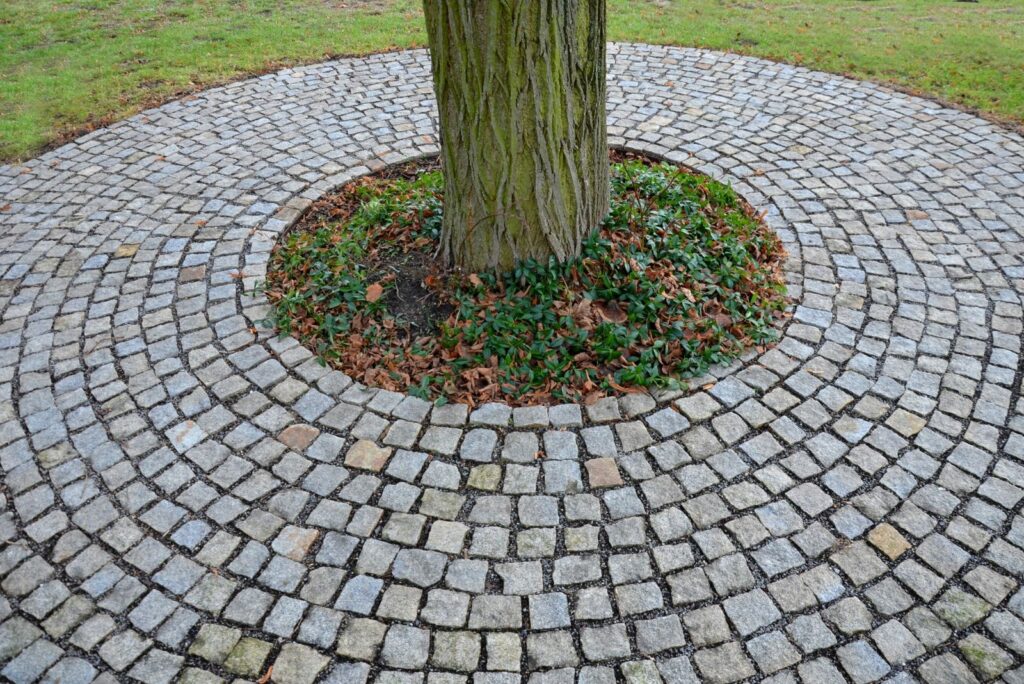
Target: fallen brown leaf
(611, 312)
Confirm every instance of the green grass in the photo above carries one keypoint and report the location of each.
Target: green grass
(66, 65)
(682, 276)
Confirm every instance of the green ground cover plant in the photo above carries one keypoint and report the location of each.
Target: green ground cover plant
(682, 275)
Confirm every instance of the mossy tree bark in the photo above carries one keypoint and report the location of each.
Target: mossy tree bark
(520, 88)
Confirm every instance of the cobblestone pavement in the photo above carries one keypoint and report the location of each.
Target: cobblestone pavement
(186, 499)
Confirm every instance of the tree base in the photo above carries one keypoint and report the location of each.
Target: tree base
(682, 275)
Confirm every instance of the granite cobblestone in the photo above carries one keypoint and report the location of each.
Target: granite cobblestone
(187, 497)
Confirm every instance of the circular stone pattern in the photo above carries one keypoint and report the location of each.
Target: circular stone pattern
(186, 497)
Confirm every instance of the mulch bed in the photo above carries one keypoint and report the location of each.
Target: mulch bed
(682, 274)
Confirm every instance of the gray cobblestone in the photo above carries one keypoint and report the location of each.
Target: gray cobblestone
(841, 506)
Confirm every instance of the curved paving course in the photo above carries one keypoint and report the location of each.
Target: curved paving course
(185, 497)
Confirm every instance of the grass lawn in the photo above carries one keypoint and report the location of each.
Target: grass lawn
(67, 65)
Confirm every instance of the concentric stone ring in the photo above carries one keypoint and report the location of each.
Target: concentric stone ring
(186, 497)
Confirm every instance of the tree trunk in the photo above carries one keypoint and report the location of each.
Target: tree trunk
(520, 88)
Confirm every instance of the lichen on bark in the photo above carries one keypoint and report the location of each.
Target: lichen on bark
(520, 87)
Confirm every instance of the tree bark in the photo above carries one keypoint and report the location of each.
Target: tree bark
(520, 88)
